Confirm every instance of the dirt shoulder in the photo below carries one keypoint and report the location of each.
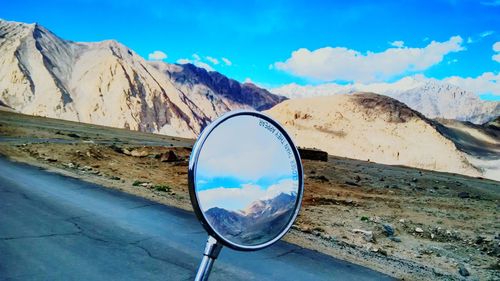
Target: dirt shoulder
(408, 223)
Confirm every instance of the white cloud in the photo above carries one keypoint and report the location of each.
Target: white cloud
(202, 62)
(227, 61)
(397, 44)
(157, 55)
(184, 61)
(238, 198)
(486, 83)
(496, 46)
(486, 33)
(297, 91)
(339, 63)
(196, 61)
(204, 65)
(477, 38)
(248, 80)
(212, 60)
(232, 199)
(243, 138)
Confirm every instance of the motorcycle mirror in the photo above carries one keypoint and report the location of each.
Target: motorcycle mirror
(245, 183)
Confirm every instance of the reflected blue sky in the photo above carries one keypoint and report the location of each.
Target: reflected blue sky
(235, 182)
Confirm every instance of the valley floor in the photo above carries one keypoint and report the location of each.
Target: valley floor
(408, 223)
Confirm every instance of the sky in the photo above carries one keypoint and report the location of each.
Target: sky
(275, 43)
(242, 162)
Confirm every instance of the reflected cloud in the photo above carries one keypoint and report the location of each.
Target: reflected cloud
(235, 141)
(237, 198)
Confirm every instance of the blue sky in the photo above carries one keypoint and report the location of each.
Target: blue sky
(258, 37)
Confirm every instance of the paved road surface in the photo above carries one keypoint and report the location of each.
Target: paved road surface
(58, 228)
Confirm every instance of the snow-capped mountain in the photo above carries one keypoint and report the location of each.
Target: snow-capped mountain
(258, 222)
(294, 90)
(441, 100)
(431, 97)
(106, 83)
(270, 207)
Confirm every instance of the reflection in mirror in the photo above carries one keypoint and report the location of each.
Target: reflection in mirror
(246, 180)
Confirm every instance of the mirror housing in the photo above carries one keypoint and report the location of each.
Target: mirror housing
(263, 131)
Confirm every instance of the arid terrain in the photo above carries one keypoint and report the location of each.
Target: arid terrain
(406, 222)
(372, 127)
(107, 83)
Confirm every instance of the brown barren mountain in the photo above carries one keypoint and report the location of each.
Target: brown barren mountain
(106, 83)
(371, 127)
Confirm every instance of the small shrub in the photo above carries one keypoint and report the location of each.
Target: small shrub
(137, 183)
(163, 188)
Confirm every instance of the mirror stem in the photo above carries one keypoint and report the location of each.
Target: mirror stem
(212, 250)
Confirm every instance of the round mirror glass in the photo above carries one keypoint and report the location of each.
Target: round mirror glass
(245, 180)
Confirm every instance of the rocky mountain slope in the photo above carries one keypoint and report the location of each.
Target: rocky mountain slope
(493, 123)
(481, 143)
(442, 100)
(259, 222)
(371, 127)
(433, 98)
(106, 83)
(191, 79)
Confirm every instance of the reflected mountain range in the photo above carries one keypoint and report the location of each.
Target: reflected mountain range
(259, 222)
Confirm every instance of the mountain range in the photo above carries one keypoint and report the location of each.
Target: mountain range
(480, 143)
(106, 83)
(258, 223)
(431, 97)
(371, 127)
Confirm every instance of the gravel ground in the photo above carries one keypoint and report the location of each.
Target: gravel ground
(408, 223)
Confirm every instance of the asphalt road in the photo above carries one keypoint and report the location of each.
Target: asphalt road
(54, 227)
